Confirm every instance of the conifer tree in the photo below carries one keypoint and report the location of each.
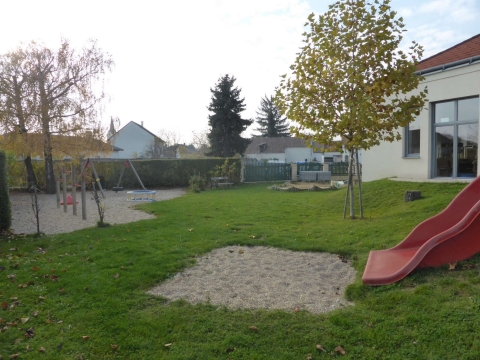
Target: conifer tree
(225, 122)
(270, 120)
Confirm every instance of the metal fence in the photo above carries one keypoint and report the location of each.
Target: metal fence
(256, 171)
(338, 168)
(267, 172)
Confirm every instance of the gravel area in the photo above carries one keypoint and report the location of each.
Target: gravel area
(54, 220)
(262, 277)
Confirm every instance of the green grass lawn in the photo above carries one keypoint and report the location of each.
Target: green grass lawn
(92, 283)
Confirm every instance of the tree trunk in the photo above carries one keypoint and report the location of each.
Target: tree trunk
(359, 177)
(31, 178)
(50, 185)
(346, 202)
(350, 184)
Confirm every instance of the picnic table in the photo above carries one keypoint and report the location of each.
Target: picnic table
(220, 181)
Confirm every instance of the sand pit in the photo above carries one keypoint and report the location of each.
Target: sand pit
(240, 277)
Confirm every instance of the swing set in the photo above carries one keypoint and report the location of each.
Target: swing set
(135, 195)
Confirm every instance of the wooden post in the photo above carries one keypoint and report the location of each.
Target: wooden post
(74, 191)
(58, 193)
(64, 185)
(84, 201)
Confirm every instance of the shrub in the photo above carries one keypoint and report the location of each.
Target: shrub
(197, 183)
(5, 206)
(230, 169)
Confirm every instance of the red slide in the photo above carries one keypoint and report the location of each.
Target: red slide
(452, 235)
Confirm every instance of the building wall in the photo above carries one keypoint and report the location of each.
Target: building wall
(132, 139)
(387, 159)
(299, 155)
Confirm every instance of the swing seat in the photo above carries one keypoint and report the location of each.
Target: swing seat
(117, 188)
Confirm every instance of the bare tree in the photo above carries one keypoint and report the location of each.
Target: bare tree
(200, 141)
(170, 137)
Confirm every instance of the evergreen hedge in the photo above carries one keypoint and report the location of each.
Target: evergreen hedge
(163, 172)
(5, 207)
(156, 173)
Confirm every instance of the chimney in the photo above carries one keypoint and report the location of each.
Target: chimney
(142, 123)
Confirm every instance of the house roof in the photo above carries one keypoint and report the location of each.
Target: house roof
(76, 144)
(273, 145)
(464, 50)
(140, 126)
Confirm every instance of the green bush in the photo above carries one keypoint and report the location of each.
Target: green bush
(5, 207)
(230, 169)
(197, 183)
(163, 172)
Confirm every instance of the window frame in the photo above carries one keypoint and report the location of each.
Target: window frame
(407, 142)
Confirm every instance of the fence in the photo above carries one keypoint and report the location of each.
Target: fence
(254, 172)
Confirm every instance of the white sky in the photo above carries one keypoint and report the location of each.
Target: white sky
(169, 54)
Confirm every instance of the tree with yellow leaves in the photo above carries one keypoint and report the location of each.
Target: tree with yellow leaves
(351, 81)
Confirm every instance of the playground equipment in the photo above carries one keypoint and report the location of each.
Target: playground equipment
(89, 163)
(449, 237)
(141, 195)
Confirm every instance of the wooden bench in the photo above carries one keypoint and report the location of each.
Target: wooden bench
(219, 181)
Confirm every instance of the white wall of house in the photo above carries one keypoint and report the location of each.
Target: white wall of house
(388, 159)
(132, 138)
(298, 155)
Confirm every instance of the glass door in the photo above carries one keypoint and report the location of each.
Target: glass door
(467, 148)
(455, 145)
(444, 137)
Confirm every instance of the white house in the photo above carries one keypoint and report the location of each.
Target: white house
(289, 150)
(442, 142)
(134, 141)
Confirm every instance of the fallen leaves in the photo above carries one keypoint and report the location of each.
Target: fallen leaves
(11, 276)
(253, 328)
(116, 276)
(42, 349)
(4, 305)
(168, 345)
(115, 347)
(30, 333)
(340, 350)
(24, 320)
(320, 348)
(452, 266)
(86, 337)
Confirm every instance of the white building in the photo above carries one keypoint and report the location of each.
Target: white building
(289, 150)
(443, 140)
(134, 141)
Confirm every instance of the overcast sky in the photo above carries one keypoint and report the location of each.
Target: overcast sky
(168, 54)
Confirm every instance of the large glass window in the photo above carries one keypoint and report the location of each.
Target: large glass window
(412, 139)
(455, 125)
